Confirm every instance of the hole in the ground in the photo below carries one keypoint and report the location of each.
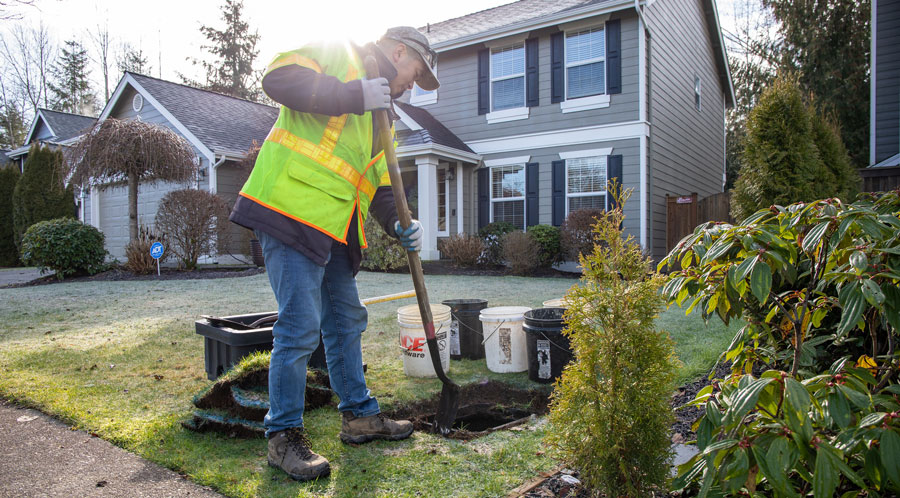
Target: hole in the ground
(484, 407)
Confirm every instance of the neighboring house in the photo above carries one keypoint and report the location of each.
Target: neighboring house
(221, 129)
(51, 128)
(884, 117)
(557, 98)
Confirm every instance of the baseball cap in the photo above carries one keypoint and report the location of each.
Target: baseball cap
(418, 43)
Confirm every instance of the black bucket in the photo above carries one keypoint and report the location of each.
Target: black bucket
(465, 328)
(547, 348)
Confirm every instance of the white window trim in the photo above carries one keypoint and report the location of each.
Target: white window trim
(605, 160)
(426, 99)
(698, 93)
(578, 154)
(585, 103)
(446, 231)
(515, 113)
(507, 162)
(599, 101)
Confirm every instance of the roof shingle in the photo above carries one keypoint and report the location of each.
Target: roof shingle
(65, 125)
(433, 131)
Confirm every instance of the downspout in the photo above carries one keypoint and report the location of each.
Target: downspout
(646, 176)
(213, 177)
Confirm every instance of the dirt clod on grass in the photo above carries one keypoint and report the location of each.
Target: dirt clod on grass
(484, 407)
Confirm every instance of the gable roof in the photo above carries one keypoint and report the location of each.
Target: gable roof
(216, 124)
(427, 134)
(64, 125)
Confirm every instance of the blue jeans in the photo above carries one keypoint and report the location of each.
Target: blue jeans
(312, 298)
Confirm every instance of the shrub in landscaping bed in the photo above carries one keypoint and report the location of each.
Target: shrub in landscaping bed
(463, 249)
(41, 194)
(384, 252)
(492, 236)
(137, 251)
(610, 414)
(191, 220)
(521, 252)
(65, 245)
(576, 235)
(817, 285)
(547, 237)
(9, 254)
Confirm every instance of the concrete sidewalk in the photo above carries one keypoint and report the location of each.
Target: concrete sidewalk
(42, 457)
(10, 276)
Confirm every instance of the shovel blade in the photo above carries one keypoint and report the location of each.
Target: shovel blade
(447, 407)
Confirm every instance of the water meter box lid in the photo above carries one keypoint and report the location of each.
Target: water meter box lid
(223, 347)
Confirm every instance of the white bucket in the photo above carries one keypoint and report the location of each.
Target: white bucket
(415, 353)
(559, 302)
(504, 339)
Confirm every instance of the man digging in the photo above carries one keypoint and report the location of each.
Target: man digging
(315, 181)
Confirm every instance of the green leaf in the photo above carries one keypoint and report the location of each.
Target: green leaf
(826, 477)
(719, 248)
(851, 309)
(839, 409)
(685, 478)
(872, 292)
(837, 460)
(860, 401)
(890, 454)
(814, 236)
(719, 445)
(874, 469)
(859, 261)
(745, 399)
(743, 269)
(772, 471)
(713, 414)
(796, 396)
(761, 281)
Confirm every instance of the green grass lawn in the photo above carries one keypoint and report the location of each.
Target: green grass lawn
(121, 359)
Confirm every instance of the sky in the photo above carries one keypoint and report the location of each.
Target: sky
(168, 31)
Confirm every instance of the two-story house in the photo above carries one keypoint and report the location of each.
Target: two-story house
(883, 172)
(556, 98)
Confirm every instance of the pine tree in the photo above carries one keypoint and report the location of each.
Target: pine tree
(40, 193)
(133, 60)
(9, 175)
(826, 43)
(234, 50)
(71, 87)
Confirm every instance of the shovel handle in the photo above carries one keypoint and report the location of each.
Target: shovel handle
(383, 128)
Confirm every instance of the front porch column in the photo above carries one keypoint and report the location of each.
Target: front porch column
(427, 172)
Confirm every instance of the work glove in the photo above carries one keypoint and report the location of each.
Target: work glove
(411, 238)
(376, 94)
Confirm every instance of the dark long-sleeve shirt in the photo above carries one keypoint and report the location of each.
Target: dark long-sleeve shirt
(304, 90)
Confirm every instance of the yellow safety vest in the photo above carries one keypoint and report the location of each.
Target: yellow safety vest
(318, 169)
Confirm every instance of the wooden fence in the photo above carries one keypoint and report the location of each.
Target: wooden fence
(684, 213)
(880, 179)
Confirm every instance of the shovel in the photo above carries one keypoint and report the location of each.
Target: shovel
(449, 403)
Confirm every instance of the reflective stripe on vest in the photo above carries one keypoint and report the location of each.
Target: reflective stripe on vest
(323, 157)
(297, 59)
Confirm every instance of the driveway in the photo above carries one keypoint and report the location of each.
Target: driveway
(10, 276)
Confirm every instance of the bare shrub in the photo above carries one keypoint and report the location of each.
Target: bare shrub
(191, 220)
(138, 251)
(522, 252)
(463, 249)
(576, 235)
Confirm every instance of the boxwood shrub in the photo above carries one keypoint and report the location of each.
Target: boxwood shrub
(64, 245)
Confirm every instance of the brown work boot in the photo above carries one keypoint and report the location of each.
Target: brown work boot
(363, 429)
(289, 451)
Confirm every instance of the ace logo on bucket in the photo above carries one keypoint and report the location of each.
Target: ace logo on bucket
(413, 344)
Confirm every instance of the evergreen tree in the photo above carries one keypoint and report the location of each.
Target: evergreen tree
(12, 127)
(234, 51)
(133, 60)
(71, 87)
(40, 193)
(826, 43)
(9, 175)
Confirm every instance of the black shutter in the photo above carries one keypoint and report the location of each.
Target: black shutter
(484, 81)
(559, 192)
(613, 57)
(613, 173)
(484, 199)
(557, 76)
(532, 189)
(531, 72)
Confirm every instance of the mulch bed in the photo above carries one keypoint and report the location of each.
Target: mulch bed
(118, 274)
(446, 267)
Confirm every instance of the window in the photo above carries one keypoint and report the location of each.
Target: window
(697, 92)
(508, 77)
(417, 96)
(585, 63)
(442, 191)
(586, 183)
(508, 194)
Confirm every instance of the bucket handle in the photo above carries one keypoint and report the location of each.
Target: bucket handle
(492, 332)
(555, 344)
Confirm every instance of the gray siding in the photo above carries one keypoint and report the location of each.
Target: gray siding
(887, 80)
(686, 145)
(41, 131)
(113, 199)
(229, 181)
(457, 105)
